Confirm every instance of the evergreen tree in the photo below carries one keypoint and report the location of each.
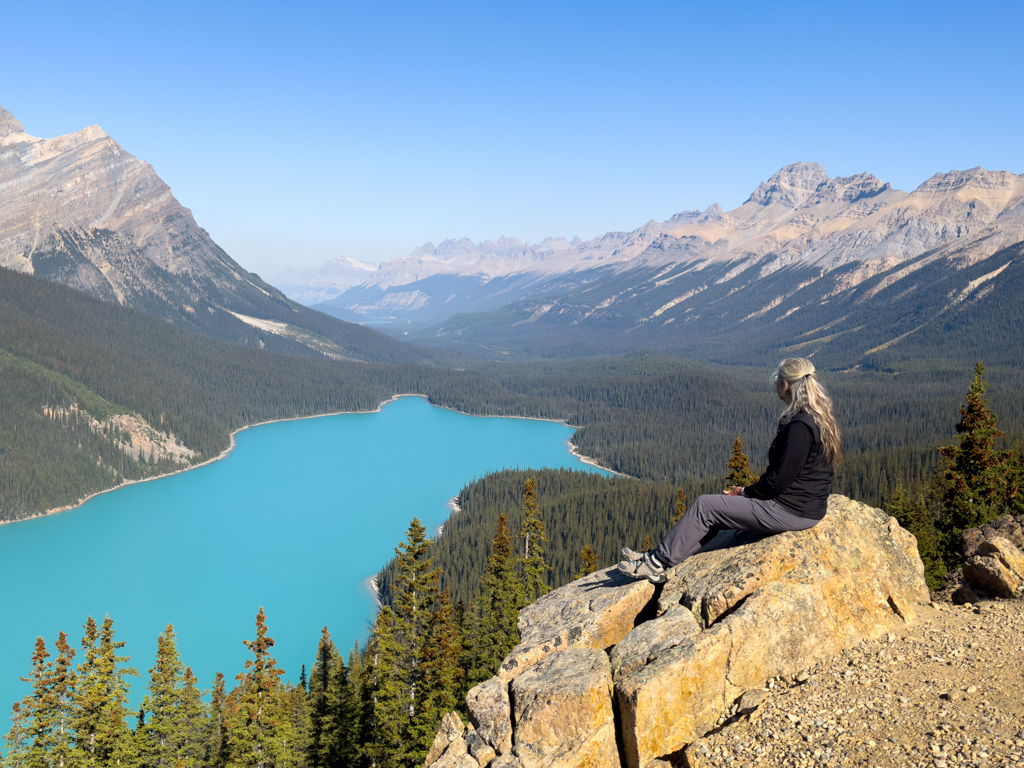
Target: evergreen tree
(217, 734)
(680, 507)
(386, 693)
(17, 740)
(350, 711)
(416, 589)
(38, 709)
(588, 561)
(260, 736)
(739, 466)
(973, 475)
(193, 721)
(296, 744)
(1015, 481)
(441, 680)
(323, 708)
(501, 598)
(161, 735)
(63, 690)
(102, 733)
(535, 567)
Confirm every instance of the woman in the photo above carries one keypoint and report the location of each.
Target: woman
(790, 496)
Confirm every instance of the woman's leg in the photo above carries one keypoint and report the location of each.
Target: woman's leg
(715, 511)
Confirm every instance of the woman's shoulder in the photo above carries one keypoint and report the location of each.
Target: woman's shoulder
(803, 418)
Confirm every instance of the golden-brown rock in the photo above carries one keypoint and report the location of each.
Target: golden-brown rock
(740, 612)
(563, 712)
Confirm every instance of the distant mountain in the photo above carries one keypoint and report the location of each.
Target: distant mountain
(312, 286)
(799, 219)
(80, 210)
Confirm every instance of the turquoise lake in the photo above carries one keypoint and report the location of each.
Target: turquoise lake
(295, 519)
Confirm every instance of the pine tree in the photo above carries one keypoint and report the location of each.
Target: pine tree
(441, 679)
(535, 567)
(387, 695)
(739, 466)
(1015, 481)
(17, 740)
(194, 722)
(588, 561)
(161, 735)
(680, 507)
(62, 690)
(973, 475)
(217, 733)
(258, 738)
(416, 589)
(501, 598)
(296, 738)
(37, 710)
(350, 711)
(102, 733)
(323, 710)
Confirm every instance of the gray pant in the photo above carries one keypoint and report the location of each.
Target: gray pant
(713, 512)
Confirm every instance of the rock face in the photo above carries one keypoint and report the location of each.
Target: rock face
(994, 562)
(613, 672)
(80, 210)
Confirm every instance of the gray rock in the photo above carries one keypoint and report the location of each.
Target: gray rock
(479, 749)
(964, 595)
(991, 574)
(596, 611)
(1006, 552)
(491, 714)
(751, 700)
(451, 729)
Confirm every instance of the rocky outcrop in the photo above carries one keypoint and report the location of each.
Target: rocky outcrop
(993, 562)
(613, 672)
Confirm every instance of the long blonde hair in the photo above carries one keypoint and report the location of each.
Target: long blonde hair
(806, 394)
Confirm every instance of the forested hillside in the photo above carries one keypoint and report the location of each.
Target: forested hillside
(75, 368)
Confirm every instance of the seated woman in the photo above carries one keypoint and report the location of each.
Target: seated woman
(790, 496)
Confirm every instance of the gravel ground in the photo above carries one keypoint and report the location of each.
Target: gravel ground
(947, 691)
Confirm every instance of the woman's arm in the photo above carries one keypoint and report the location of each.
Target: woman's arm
(796, 440)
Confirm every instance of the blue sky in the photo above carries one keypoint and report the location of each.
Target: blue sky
(297, 132)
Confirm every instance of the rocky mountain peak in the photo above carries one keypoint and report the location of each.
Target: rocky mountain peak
(790, 185)
(9, 124)
(848, 189)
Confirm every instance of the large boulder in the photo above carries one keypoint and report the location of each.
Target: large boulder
(612, 672)
(993, 561)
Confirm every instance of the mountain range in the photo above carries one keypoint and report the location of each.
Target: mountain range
(80, 210)
(846, 268)
(800, 241)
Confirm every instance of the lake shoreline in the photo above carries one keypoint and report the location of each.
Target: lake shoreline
(232, 443)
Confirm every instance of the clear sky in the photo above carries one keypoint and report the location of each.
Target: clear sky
(299, 131)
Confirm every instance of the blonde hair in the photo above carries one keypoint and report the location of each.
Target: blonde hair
(806, 394)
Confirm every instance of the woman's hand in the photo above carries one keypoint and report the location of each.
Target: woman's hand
(736, 490)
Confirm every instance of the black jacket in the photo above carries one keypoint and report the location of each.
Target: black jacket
(797, 477)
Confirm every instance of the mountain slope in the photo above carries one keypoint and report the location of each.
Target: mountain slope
(80, 210)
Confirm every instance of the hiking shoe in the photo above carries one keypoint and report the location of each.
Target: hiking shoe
(632, 556)
(643, 567)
